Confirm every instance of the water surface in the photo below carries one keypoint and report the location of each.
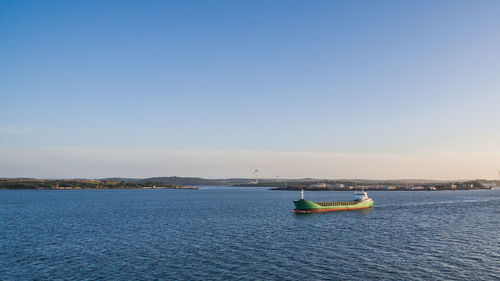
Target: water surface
(251, 234)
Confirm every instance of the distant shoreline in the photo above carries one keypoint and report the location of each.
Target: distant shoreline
(34, 184)
(283, 184)
(369, 189)
(90, 188)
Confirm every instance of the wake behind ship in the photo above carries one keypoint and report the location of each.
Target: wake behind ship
(361, 201)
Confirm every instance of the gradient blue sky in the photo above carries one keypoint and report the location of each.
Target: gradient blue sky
(374, 89)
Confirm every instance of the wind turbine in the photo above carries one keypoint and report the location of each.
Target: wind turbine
(498, 174)
(256, 173)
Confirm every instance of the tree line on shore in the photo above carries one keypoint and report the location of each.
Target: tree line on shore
(282, 184)
(75, 184)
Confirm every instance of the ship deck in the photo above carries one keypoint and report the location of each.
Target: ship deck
(339, 203)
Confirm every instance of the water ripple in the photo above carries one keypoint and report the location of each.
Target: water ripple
(246, 234)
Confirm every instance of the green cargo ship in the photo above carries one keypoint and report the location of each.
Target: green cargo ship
(361, 201)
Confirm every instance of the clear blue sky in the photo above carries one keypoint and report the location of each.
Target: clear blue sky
(258, 78)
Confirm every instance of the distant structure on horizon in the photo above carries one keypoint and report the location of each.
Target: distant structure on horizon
(256, 173)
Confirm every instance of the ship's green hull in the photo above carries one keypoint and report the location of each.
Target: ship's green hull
(306, 206)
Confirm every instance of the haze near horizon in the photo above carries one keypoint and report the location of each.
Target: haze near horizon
(214, 89)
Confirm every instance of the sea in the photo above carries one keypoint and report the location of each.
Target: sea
(231, 233)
